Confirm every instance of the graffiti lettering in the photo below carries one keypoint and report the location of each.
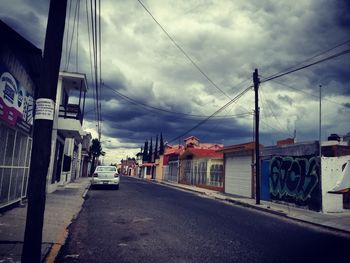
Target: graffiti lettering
(294, 178)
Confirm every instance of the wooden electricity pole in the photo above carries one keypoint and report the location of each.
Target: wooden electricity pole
(256, 81)
(43, 122)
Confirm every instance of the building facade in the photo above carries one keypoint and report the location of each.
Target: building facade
(202, 168)
(67, 132)
(239, 169)
(20, 63)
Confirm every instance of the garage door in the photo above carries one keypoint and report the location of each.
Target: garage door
(238, 175)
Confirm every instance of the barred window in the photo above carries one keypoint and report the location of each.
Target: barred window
(14, 165)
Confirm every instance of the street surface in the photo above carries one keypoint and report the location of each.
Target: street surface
(147, 222)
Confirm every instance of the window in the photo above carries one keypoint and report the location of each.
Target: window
(106, 169)
(216, 175)
(14, 165)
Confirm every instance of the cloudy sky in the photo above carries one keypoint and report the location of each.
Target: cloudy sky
(150, 86)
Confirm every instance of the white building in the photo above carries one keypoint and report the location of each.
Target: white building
(67, 132)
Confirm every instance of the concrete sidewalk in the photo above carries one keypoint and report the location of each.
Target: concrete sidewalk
(333, 221)
(62, 206)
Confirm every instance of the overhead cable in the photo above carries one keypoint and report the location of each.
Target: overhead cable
(286, 131)
(183, 51)
(215, 113)
(344, 52)
(308, 93)
(136, 102)
(315, 56)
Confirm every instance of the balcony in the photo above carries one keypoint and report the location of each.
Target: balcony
(71, 111)
(71, 86)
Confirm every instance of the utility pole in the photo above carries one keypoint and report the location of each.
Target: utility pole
(320, 124)
(42, 131)
(256, 82)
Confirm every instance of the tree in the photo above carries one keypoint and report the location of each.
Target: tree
(156, 156)
(161, 146)
(150, 152)
(145, 152)
(95, 151)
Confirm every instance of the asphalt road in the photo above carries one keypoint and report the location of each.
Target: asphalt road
(148, 222)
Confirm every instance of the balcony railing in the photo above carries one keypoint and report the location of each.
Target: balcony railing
(71, 111)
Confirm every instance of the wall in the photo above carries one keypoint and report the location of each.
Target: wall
(296, 180)
(215, 172)
(16, 119)
(171, 171)
(197, 171)
(159, 168)
(332, 168)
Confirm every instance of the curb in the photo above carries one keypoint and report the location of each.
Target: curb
(260, 208)
(198, 191)
(87, 188)
(264, 209)
(343, 231)
(56, 247)
(229, 200)
(63, 234)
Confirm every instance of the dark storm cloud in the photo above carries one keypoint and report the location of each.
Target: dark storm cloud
(227, 40)
(35, 34)
(28, 18)
(134, 125)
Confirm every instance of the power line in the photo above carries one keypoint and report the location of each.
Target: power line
(215, 113)
(183, 51)
(90, 55)
(72, 37)
(272, 113)
(67, 31)
(308, 93)
(77, 47)
(136, 102)
(95, 42)
(344, 52)
(100, 64)
(317, 55)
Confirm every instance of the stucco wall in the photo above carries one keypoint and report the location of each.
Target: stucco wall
(159, 168)
(331, 173)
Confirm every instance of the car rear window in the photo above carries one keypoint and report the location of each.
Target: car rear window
(106, 169)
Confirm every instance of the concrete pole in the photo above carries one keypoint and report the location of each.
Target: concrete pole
(42, 134)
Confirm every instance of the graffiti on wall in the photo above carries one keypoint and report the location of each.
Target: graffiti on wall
(296, 180)
(16, 102)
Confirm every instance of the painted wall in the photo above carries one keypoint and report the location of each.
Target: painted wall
(265, 184)
(159, 168)
(332, 170)
(197, 171)
(295, 180)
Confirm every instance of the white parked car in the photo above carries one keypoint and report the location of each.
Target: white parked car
(105, 176)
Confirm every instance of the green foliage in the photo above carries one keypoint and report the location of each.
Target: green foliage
(95, 148)
(95, 151)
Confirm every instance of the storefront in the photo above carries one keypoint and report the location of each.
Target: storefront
(19, 62)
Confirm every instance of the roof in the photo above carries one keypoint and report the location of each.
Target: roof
(178, 149)
(249, 146)
(191, 137)
(214, 146)
(203, 153)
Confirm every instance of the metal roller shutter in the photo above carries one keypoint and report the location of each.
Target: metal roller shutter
(238, 175)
